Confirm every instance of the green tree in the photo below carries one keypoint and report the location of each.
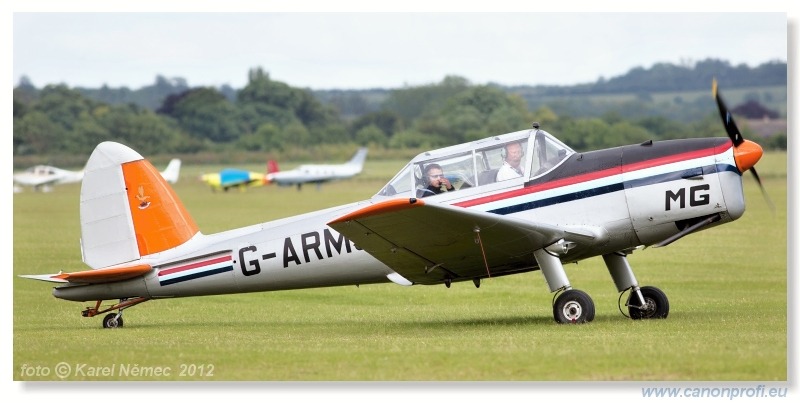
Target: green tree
(663, 128)
(371, 135)
(204, 113)
(475, 113)
(261, 90)
(35, 133)
(412, 139)
(412, 102)
(388, 121)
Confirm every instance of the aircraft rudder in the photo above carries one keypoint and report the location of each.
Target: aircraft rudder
(272, 166)
(173, 171)
(359, 157)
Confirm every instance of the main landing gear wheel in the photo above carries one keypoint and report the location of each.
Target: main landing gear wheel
(573, 306)
(111, 321)
(656, 304)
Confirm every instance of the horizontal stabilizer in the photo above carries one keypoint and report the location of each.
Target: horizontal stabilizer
(94, 276)
(53, 278)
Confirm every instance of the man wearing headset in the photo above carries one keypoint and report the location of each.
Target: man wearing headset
(438, 183)
(511, 164)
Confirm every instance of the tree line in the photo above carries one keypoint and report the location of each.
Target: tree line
(269, 115)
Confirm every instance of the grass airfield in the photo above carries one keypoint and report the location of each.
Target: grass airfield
(727, 288)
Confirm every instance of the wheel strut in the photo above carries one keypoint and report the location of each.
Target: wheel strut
(112, 320)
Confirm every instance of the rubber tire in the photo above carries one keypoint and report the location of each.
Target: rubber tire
(659, 305)
(110, 323)
(573, 306)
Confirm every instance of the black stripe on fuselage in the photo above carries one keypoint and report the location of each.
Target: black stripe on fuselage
(196, 275)
(598, 191)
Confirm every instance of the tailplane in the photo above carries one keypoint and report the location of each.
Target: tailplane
(127, 209)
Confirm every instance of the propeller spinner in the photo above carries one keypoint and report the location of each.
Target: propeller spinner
(745, 152)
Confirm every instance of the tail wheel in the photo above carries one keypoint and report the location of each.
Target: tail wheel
(573, 306)
(112, 321)
(656, 304)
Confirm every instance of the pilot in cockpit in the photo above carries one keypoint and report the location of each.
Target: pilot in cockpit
(438, 182)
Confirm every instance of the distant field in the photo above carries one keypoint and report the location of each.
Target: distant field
(727, 288)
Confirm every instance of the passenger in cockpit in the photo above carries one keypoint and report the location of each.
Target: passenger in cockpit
(512, 157)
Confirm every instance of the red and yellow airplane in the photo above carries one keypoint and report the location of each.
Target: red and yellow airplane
(560, 207)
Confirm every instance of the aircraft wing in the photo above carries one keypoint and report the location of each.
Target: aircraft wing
(428, 242)
(94, 276)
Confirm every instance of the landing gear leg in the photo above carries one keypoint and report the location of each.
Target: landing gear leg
(112, 320)
(572, 306)
(643, 303)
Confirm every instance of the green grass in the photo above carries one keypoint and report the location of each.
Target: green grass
(727, 288)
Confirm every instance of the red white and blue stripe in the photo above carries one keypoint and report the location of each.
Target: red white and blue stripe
(193, 269)
(573, 183)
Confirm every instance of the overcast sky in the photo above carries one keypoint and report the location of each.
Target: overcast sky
(389, 50)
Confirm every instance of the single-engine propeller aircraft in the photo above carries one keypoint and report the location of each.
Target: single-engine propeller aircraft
(42, 177)
(235, 178)
(318, 173)
(142, 244)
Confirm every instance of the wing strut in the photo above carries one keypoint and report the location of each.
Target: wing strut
(483, 252)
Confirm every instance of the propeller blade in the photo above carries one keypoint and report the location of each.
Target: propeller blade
(763, 191)
(744, 154)
(727, 119)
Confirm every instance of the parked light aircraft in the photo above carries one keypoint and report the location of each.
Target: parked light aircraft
(142, 244)
(309, 173)
(237, 178)
(42, 177)
(318, 173)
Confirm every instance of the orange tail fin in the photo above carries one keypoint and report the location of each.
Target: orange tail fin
(127, 209)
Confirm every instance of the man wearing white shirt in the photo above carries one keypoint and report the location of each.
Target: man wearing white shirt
(513, 158)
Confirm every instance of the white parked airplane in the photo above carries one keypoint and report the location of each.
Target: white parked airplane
(317, 173)
(43, 177)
